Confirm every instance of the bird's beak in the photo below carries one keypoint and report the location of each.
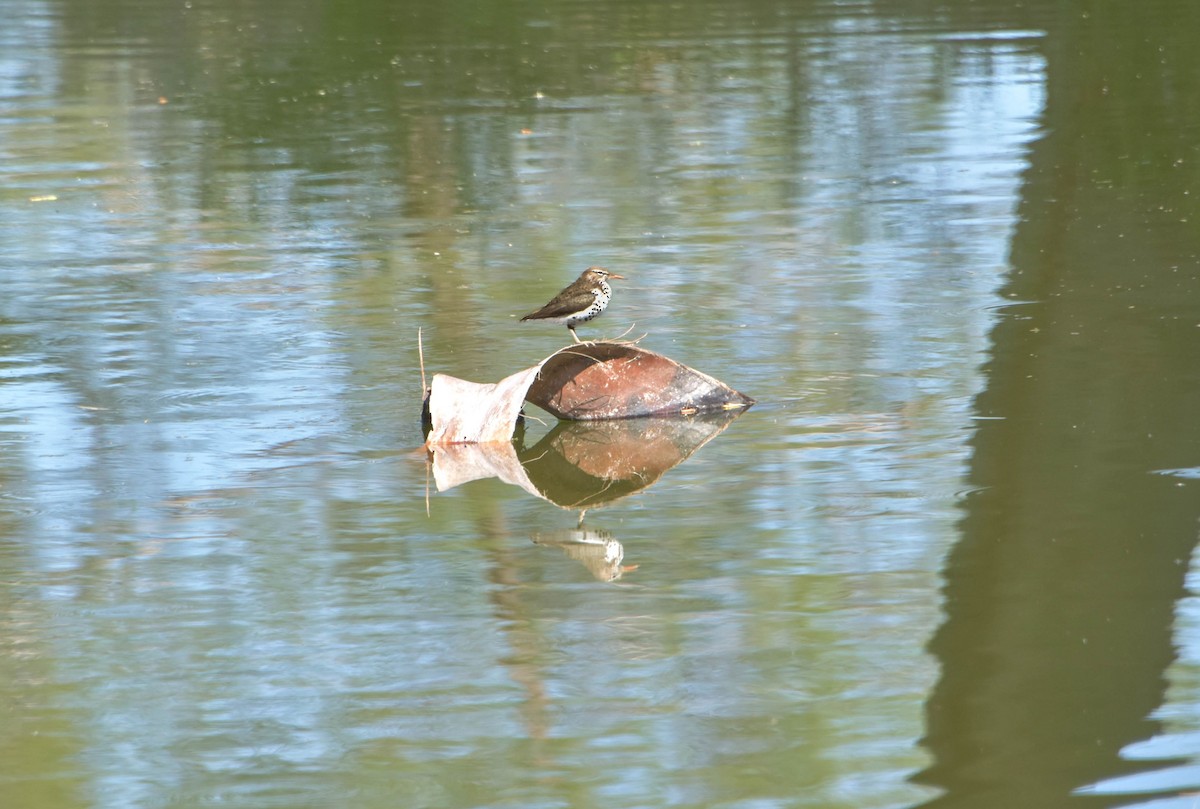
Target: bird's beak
(618, 277)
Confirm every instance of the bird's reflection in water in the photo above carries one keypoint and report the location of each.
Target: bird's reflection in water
(598, 551)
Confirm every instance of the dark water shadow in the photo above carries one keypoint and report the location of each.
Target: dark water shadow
(1061, 594)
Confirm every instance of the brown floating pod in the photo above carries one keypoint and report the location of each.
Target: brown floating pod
(596, 381)
(589, 381)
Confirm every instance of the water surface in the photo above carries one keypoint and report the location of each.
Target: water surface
(945, 560)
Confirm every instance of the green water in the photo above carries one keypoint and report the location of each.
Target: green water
(946, 560)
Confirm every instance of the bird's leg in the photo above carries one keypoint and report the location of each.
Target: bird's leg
(573, 334)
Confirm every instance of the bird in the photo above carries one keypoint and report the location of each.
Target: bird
(585, 298)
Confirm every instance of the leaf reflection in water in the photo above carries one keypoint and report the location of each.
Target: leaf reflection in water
(581, 465)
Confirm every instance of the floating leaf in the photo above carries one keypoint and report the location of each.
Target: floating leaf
(589, 382)
(462, 412)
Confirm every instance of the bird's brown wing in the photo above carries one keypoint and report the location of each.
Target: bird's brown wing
(564, 304)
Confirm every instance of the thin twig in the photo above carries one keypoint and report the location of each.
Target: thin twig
(428, 467)
(634, 341)
(421, 355)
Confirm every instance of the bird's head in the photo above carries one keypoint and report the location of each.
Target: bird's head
(601, 274)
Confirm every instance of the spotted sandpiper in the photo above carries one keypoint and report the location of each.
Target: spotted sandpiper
(585, 298)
